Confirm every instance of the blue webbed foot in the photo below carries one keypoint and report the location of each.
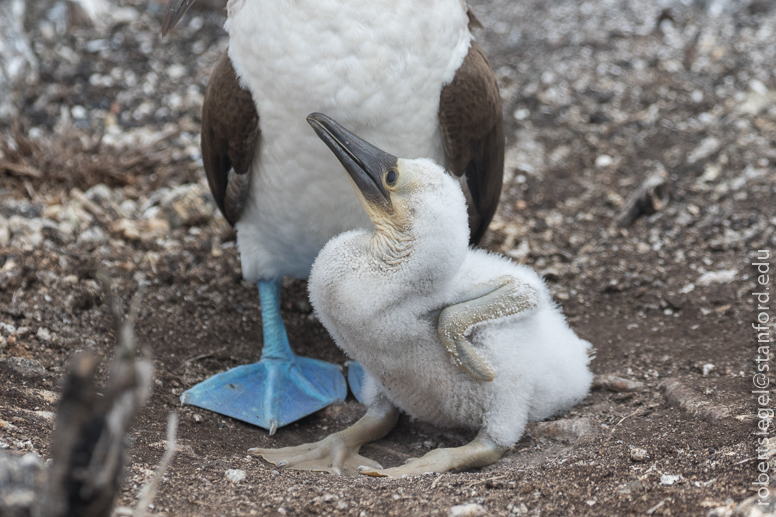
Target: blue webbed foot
(281, 388)
(270, 394)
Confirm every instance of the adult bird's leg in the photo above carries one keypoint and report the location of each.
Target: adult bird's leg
(502, 297)
(338, 452)
(480, 452)
(281, 388)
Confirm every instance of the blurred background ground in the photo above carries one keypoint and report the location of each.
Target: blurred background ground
(100, 168)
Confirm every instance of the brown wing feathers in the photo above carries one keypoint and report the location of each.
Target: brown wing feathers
(473, 131)
(230, 131)
(469, 116)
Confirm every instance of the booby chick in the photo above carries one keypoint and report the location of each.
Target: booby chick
(406, 74)
(454, 336)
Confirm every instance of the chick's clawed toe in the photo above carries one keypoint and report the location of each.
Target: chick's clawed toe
(330, 455)
(436, 461)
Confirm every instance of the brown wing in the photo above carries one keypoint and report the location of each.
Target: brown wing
(230, 133)
(473, 131)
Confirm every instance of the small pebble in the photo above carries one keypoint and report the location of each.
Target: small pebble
(617, 384)
(724, 276)
(669, 479)
(188, 205)
(235, 475)
(92, 237)
(604, 160)
(522, 114)
(637, 454)
(126, 229)
(467, 510)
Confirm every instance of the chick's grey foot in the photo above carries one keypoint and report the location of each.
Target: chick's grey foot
(480, 452)
(332, 454)
(338, 452)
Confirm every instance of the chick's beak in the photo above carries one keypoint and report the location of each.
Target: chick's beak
(365, 163)
(173, 12)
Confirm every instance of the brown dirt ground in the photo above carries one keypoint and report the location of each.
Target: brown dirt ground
(623, 290)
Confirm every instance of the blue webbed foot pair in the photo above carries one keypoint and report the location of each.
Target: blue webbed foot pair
(282, 387)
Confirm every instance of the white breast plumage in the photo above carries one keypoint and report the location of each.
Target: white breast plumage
(378, 67)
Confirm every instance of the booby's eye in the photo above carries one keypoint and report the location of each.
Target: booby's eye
(390, 177)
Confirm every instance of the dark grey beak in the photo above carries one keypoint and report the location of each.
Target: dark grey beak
(174, 12)
(365, 163)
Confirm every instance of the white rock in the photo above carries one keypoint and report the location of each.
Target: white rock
(93, 237)
(79, 112)
(637, 454)
(100, 194)
(707, 369)
(235, 475)
(75, 215)
(127, 208)
(724, 276)
(467, 510)
(44, 334)
(706, 148)
(176, 71)
(604, 160)
(29, 234)
(522, 114)
(669, 479)
(17, 224)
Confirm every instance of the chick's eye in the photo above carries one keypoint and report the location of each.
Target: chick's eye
(390, 177)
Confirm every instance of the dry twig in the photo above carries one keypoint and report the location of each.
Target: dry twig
(88, 447)
(650, 197)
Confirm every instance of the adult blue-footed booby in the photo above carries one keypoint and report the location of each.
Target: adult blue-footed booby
(403, 73)
(451, 335)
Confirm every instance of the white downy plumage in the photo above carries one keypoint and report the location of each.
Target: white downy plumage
(385, 87)
(385, 317)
